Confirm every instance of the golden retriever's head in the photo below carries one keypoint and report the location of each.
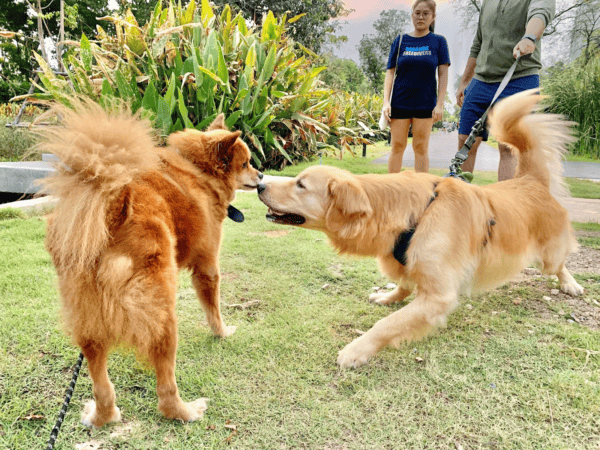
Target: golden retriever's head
(218, 152)
(321, 198)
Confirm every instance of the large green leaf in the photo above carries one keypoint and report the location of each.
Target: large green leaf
(170, 98)
(86, 53)
(150, 99)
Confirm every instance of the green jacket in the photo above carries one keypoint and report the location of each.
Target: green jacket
(501, 26)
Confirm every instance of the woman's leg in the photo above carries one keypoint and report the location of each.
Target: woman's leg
(421, 130)
(399, 133)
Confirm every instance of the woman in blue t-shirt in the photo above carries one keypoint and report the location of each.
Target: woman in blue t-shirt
(415, 98)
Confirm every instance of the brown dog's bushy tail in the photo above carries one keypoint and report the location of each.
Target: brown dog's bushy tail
(540, 140)
(99, 152)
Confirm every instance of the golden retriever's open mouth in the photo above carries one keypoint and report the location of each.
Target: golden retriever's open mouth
(284, 218)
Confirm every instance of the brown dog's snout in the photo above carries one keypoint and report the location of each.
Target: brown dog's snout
(261, 187)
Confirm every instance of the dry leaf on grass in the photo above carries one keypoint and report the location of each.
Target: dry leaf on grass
(33, 417)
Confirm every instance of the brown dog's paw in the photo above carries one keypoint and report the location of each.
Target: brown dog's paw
(226, 331)
(356, 353)
(91, 418)
(186, 412)
(195, 409)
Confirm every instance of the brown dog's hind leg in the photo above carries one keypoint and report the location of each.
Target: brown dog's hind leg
(206, 282)
(387, 298)
(412, 322)
(103, 410)
(162, 356)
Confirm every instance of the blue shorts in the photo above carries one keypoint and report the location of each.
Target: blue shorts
(479, 95)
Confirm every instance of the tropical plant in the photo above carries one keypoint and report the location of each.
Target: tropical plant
(184, 68)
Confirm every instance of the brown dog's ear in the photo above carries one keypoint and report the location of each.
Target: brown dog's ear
(349, 206)
(218, 123)
(225, 143)
(212, 152)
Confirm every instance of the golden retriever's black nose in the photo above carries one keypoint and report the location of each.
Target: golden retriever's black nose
(261, 188)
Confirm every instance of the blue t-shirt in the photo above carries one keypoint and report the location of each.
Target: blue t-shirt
(415, 86)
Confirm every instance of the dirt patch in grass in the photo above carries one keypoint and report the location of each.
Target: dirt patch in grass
(556, 305)
(586, 260)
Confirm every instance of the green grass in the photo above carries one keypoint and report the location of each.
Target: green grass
(359, 165)
(499, 376)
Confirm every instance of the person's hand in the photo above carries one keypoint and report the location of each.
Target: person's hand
(437, 113)
(387, 110)
(460, 96)
(524, 47)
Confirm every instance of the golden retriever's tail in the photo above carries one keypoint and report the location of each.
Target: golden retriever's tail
(540, 140)
(99, 152)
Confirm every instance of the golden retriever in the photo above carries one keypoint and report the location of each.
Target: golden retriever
(130, 214)
(464, 237)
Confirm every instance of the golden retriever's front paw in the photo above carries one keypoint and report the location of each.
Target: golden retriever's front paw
(572, 288)
(356, 353)
(380, 299)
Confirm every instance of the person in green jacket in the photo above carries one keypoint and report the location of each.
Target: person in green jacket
(506, 29)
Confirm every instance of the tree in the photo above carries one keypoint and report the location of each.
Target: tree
(374, 49)
(344, 75)
(22, 18)
(566, 11)
(320, 17)
(585, 34)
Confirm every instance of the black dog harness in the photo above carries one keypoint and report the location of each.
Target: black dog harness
(403, 241)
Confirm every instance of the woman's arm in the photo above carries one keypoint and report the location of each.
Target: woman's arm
(387, 90)
(442, 89)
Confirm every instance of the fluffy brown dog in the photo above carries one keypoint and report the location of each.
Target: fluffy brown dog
(129, 216)
(465, 236)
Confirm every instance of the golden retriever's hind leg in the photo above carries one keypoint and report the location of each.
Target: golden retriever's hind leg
(206, 282)
(412, 322)
(387, 298)
(162, 357)
(567, 283)
(102, 410)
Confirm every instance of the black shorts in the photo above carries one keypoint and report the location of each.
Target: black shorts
(398, 113)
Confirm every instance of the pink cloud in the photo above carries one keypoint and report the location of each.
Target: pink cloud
(364, 8)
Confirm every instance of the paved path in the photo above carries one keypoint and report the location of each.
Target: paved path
(443, 147)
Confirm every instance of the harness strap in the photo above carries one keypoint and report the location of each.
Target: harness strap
(403, 241)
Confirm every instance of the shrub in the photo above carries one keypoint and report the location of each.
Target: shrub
(574, 91)
(185, 67)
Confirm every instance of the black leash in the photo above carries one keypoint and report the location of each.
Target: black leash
(463, 153)
(65, 405)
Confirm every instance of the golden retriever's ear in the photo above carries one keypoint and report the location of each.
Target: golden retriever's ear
(349, 206)
(218, 123)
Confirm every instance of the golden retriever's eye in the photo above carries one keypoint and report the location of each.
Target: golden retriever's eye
(299, 184)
